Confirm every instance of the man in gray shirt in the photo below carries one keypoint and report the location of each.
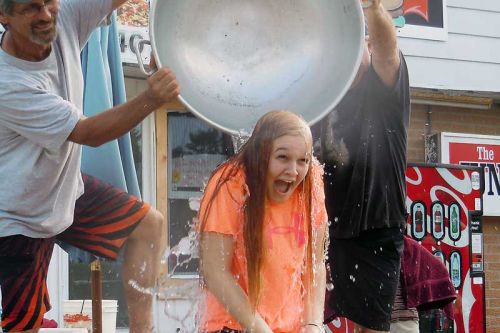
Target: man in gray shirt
(43, 195)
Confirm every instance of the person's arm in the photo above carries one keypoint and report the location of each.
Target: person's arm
(315, 300)
(113, 123)
(383, 43)
(216, 252)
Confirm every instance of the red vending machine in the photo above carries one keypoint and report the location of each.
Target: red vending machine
(444, 207)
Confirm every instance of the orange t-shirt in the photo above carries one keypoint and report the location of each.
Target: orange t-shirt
(285, 231)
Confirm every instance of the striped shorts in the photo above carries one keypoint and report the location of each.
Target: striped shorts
(104, 218)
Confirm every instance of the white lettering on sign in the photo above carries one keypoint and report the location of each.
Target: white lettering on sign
(492, 176)
(485, 154)
(477, 150)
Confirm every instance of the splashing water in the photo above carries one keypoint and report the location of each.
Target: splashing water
(147, 291)
(143, 267)
(181, 305)
(181, 301)
(239, 139)
(187, 246)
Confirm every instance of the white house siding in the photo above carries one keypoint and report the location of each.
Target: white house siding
(470, 57)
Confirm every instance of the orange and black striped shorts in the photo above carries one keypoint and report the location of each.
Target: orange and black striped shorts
(104, 218)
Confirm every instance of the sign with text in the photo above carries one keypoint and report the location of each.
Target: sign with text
(476, 150)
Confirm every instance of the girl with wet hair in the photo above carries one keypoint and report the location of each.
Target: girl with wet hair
(262, 234)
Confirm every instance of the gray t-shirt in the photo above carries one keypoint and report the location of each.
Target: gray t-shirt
(40, 104)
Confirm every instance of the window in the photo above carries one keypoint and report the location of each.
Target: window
(195, 149)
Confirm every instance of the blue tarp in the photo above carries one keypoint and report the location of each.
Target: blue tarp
(105, 87)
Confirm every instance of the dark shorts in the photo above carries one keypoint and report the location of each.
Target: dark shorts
(365, 273)
(105, 216)
(227, 330)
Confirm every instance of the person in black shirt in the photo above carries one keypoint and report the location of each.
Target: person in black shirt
(363, 145)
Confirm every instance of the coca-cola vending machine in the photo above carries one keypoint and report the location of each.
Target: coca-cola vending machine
(444, 207)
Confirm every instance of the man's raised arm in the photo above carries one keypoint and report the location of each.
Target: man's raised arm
(383, 42)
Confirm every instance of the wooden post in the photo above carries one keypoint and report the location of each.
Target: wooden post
(96, 291)
(161, 130)
(161, 161)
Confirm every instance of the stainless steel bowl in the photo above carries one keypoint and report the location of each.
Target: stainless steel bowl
(238, 59)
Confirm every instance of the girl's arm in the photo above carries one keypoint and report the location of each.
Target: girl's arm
(216, 252)
(315, 299)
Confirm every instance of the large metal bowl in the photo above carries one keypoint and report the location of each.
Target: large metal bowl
(238, 59)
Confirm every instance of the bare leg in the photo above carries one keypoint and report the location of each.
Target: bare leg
(361, 329)
(140, 269)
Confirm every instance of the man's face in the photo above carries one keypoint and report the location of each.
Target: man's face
(35, 21)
